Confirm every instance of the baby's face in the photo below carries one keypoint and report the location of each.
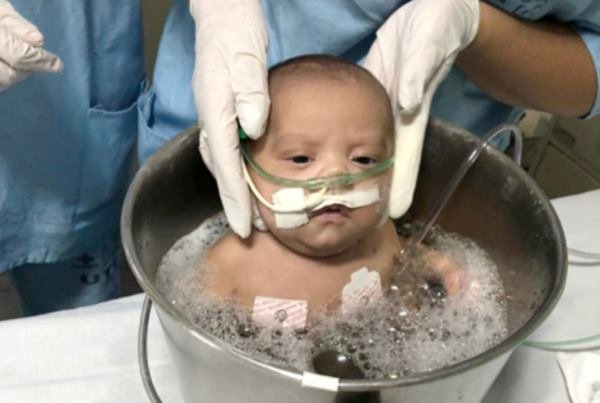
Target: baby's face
(321, 126)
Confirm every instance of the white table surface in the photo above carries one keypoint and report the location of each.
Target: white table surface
(90, 354)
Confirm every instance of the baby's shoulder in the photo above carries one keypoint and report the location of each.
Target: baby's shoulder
(227, 252)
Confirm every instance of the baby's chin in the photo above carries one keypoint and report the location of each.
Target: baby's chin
(321, 246)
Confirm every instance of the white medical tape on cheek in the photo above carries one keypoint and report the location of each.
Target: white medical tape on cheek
(290, 198)
(295, 199)
(290, 206)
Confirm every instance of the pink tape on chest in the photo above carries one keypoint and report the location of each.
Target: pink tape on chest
(271, 312)
(363, 288)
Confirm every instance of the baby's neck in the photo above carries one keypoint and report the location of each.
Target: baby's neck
(366, 247)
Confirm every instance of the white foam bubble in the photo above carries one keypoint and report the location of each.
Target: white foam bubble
(416, 328)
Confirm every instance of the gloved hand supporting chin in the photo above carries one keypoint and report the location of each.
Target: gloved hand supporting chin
(21, 50)
(412, 54)
(229, 83)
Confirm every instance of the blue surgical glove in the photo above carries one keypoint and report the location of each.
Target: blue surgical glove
(229, 83)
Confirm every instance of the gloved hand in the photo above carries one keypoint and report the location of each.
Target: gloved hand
(21, 50)
(230, 80)
(412, 54)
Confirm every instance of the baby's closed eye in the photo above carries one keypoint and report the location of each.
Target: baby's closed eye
(300, 159)
(365, 160)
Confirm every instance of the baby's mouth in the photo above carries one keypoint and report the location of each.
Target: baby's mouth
(334, 209)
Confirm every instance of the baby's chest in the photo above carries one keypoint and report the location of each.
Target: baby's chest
(319, 285)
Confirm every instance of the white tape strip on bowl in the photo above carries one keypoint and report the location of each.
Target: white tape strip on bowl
(323, 382)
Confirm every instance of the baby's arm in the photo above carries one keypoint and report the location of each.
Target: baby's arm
(451, 274)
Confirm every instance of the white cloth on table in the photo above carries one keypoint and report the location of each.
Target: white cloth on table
(582, 373)
(534, 375)
(576, 316)
(575, 324)
(83, 355)
(90, 354)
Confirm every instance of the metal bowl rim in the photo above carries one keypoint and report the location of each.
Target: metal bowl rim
(505, 346)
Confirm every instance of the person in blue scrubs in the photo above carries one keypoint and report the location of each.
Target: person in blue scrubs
(538, 54)
(66, 148)
(64, 167)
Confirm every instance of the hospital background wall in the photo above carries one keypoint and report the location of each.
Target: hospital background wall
(563, 155)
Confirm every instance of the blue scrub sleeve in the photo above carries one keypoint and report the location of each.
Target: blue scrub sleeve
(592, 41)
(316, 26)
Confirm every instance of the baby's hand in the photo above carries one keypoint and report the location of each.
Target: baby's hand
(451, 274)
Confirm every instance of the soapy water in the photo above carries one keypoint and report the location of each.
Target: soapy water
(415, 328)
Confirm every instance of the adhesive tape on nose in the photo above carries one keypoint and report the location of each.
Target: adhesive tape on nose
(295, 201)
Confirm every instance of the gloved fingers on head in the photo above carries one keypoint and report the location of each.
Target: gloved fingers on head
(212, 89)
(219, 146)
(375, 63)
(250, 89)
(410, 134)
(414, 78)
(10, 76)
(233, 189)
(204, 151)
(403, 187)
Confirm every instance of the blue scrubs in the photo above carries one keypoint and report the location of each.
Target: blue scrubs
(66, 140)
(66, 147)
(344, 28)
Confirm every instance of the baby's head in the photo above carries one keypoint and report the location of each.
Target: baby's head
(328, 117)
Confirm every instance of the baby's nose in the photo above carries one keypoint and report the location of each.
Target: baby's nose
(335, 165)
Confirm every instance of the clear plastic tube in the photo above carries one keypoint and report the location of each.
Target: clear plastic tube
(316, 183)
(580, 344)
(464, 167)
(584, 254)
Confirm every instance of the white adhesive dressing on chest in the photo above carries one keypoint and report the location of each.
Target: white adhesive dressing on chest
(364, 287)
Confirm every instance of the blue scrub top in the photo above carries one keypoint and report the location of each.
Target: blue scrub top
(345, 29)
(67, 140)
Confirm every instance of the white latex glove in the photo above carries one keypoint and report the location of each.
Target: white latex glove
(412, 54)
(21, 50)
(230, 81)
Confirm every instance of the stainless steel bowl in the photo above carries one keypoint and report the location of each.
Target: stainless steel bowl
(497, 205)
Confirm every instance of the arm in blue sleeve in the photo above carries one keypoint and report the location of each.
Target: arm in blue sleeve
(583, 15)
(587, 24)
(592, 42)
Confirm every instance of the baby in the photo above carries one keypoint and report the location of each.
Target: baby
(320, 176)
